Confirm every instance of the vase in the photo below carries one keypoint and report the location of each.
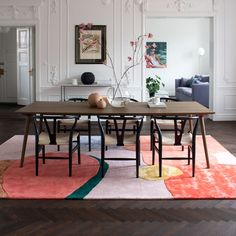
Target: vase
(87, 78)
(151, 95)
(119, 102)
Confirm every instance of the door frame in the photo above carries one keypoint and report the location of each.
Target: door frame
(35, 25)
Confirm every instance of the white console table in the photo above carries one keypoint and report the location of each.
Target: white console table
(64, 87)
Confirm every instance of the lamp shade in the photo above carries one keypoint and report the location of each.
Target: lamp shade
(201, 51)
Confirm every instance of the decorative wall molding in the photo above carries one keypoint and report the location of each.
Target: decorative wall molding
(189, 7)
(106, 2)
(53, 7)
(128, 5)
(19, 12)
(179, 5)
(54, 75)
(216, 4)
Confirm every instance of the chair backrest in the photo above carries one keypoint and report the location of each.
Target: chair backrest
(167, 99)
(120, 123)
(78, 99)
(48, 124)
(178, 132)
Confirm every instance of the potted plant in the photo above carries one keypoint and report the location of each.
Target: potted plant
(153, 85)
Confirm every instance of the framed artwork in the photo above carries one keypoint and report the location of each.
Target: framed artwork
(90, 45)
(156, 55)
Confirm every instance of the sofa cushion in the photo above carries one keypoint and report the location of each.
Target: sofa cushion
(185, 90)
(183, 82)
(202, 78)
(200, 82)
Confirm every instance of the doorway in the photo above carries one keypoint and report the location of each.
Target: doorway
(189, 43)
(17, 74)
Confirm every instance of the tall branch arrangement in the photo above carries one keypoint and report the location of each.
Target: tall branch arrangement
(135, 59)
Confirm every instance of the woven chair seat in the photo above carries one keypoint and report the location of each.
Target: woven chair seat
(168, 138)
(61, 138)
(111, 139)
(70, 122)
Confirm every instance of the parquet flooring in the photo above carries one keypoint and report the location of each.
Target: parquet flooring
(117, 217)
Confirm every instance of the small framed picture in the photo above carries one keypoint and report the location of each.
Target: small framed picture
(156, 55)
(90, 44)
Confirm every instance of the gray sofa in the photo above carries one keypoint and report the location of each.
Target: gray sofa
(193, 89)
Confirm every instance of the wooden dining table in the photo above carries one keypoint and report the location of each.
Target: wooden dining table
(138, 108)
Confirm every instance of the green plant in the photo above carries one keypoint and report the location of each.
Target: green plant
(153, 85)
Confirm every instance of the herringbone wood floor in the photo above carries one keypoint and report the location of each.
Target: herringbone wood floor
(117, 217)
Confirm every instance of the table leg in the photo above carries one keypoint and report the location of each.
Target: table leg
(203, 131)
(26, 132)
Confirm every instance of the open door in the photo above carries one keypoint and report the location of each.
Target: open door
(25, 71)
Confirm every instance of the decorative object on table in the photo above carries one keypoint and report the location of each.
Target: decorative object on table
(90, 44)
(93, 98)
(101, 103)
(156, 55)
(153, 85)
(74, 82)
(135, 59)
(87, 78)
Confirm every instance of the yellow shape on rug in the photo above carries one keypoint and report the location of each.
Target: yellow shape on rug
(152, 172)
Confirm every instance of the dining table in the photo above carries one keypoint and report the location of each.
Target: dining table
(189, 108)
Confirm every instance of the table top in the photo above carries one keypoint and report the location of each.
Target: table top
(132, 108)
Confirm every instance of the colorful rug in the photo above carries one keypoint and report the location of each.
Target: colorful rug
(119, 182)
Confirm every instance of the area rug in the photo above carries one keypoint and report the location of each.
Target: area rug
(53, 182)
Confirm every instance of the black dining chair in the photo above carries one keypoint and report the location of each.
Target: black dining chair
(175, 137)
(83, 124)
(120, 137)
(46, 134)
(130, 125)
(163, 124)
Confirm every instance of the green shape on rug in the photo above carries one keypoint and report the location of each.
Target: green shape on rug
(152, 172)
(81, 192)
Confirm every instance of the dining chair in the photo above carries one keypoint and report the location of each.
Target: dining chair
(83, 125)
(130, 125)
(174, 137)
(166, 125)
(120, 137)
(46, 134)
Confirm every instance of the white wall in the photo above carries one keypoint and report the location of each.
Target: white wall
(184, 36)
(54, 22)
(58, 56)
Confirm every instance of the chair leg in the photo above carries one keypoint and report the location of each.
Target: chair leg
(78, 149)
(89, 135)
(182, 147)
(43, 152)
(102, 159)
(58, 148)
(160, 160)
(36, 159)
(70, 159)
(193, 160)
(151, 134)
(137, 164)
(153, 151)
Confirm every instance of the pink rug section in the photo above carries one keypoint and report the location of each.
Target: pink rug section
(53, 181)
(217, 182)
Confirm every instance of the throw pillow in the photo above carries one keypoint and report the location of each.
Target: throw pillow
(190, 82)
